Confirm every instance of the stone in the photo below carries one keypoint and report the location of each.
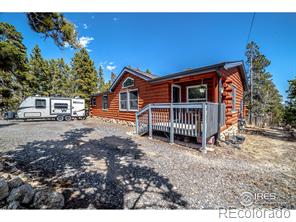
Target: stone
(15, 182)
(1, 166)
(14, 205)
(4, 189)
(46, 199)
(24, 194)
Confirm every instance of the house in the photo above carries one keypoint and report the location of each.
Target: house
(217, 88)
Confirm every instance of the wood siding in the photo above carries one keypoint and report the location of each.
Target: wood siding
(161, 93)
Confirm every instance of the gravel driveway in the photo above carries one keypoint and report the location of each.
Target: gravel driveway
(103, 165)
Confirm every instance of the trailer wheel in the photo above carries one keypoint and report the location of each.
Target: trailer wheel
(59, 118)
(68, 118)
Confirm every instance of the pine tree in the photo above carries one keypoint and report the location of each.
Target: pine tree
(60, 75)
(148, 71)
(85, 80)
(290, 108)
(266, 106)
(39, 69)
(113, 77)
(101, 81)
(14, 78)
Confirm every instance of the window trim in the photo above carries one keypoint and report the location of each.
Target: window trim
(128, 109)
(40, 107)
(125, 87)
(103, 102)
(234, 97)
(180, 93)
(196, 86)
(94, 98)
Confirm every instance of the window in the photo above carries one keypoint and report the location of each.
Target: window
(128, 82)
(40, 103)
(128, 101)
(197, 93)
(123, 100)
(233, 94)
(93, 101)
(133, 100)
(105, 102)
(61, 106)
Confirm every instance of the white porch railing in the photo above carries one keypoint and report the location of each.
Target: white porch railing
(189, 119)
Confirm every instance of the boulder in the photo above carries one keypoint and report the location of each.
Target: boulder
(4, 189)
(15, 182)
(46, 199)
(24, 194)
(14, 205)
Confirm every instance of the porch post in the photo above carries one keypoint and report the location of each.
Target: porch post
(137, 123)
(172, 124)
(204, 127)
(150, 122)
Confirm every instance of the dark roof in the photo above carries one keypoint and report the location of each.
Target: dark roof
(137, 72)
(149, 75)
(205, 69)
(196, 71)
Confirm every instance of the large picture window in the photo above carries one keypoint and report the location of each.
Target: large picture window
(198, 93)
(128, 82)
(123, 101)
(133, 100)
(128, 101)
(105, 102)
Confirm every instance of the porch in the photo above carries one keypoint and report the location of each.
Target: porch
(200, 120)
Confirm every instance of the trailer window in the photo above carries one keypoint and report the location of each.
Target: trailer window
(40, 103)
(105, 102)
(61, 105)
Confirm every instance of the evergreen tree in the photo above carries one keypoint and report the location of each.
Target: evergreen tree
(290, 108)
(39, 69)
(148, 71)
(54, 25)
(14, 78)
(85, 80)
(60, 75)
(266, 107)
(113, 77)
(101, 81)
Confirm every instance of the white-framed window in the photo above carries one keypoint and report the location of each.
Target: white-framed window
(128, 100)
(128, 82)
(233, 95)
(197, 93)
(105, 102)
(93, 101)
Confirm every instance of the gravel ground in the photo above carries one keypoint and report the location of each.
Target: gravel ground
(104, 165)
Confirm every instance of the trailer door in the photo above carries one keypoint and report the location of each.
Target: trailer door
(60, 106)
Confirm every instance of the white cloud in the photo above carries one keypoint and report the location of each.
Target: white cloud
(85, 40)
(110, 67)
(85, 26)
(111, 63)
(66, 45)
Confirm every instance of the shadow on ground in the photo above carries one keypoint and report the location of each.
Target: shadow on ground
(107, 173)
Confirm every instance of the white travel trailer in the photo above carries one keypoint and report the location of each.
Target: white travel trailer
(59, 108)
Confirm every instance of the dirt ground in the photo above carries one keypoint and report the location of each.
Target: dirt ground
(105, 165)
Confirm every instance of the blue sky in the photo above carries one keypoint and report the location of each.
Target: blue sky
(171, 42)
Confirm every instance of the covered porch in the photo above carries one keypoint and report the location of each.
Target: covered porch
(193, 110)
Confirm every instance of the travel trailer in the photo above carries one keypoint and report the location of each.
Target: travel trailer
(59, 108)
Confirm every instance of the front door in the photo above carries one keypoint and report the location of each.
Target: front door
(176, 94)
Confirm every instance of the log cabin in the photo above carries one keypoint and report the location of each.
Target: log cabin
(200, 102)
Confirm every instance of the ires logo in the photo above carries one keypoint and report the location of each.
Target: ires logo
(247, 198)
